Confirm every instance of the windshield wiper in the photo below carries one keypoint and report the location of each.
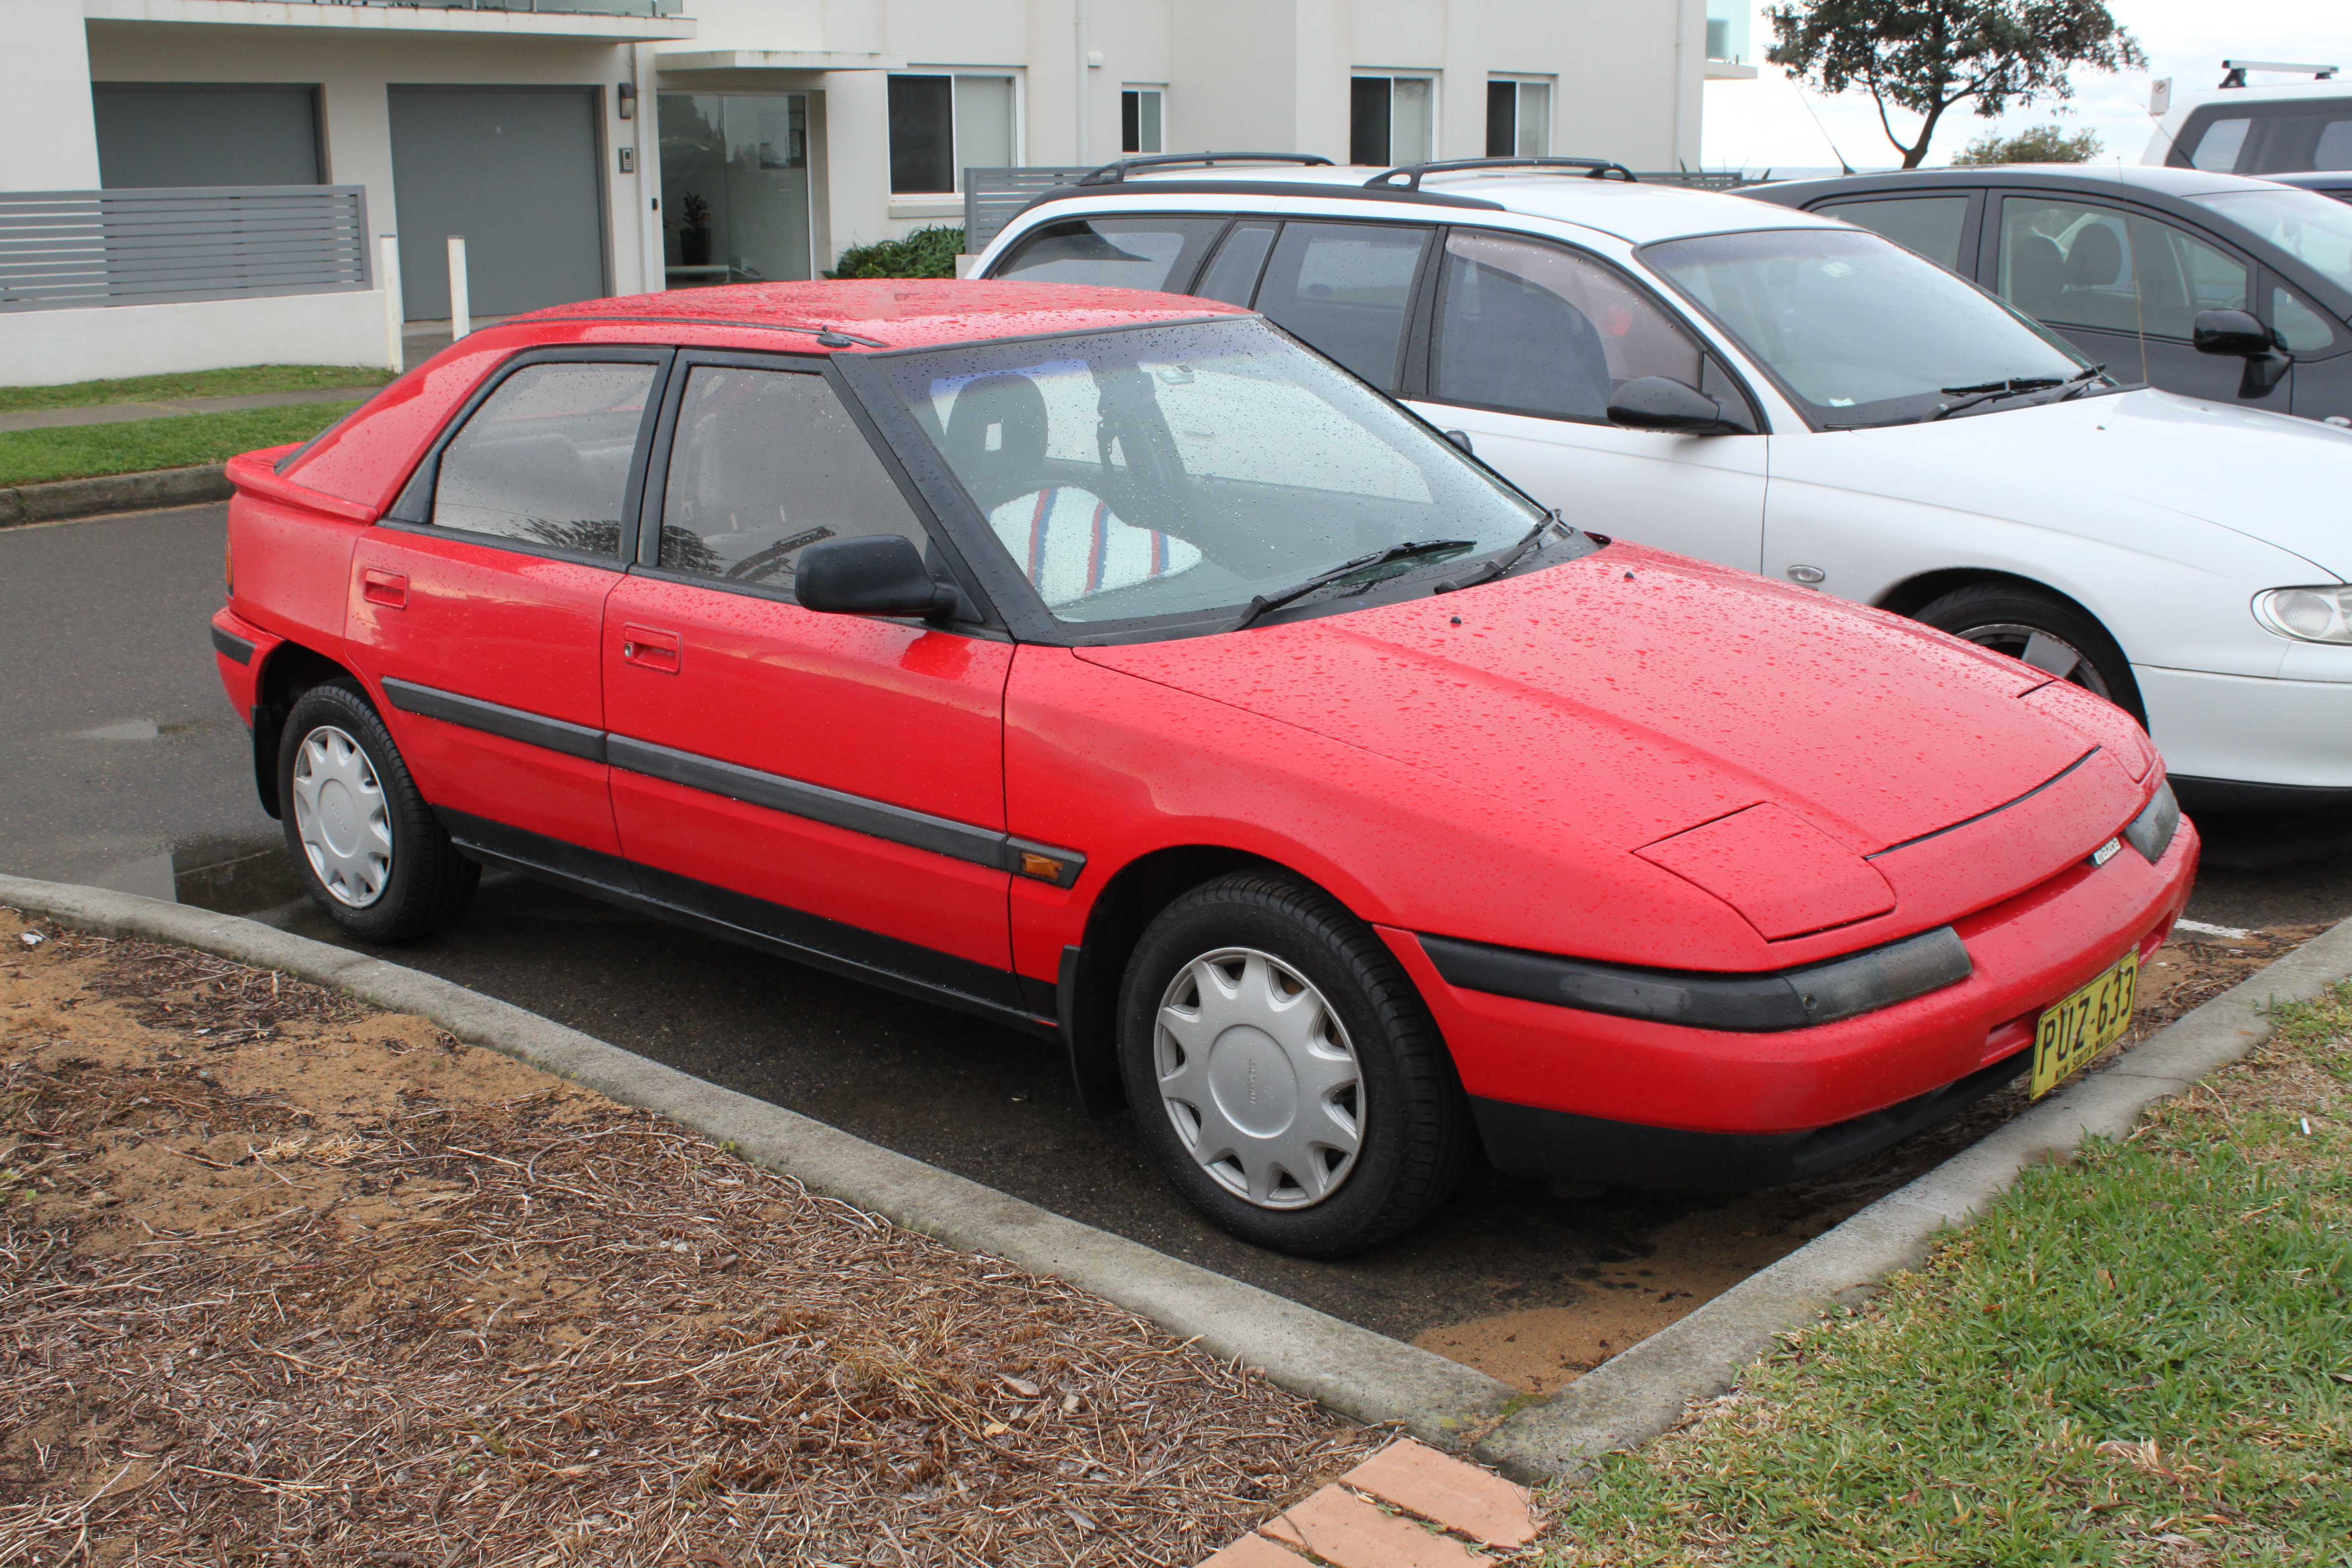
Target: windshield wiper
(2079, 384)
(1262, 602)
(1990, 391)
(1508, 559)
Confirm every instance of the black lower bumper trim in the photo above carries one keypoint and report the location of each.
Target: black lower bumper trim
(1562, 1146)
(2233, 794)
(231, 646)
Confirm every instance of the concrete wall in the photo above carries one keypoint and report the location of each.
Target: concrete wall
(49, 140)
(47, 348)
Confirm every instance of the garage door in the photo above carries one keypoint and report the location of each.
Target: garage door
(515, 170)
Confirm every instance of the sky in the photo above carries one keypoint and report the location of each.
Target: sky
(1763, 124)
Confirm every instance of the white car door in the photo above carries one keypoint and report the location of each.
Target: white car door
(1529, 340)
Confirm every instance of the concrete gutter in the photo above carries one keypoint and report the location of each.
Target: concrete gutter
(67, 499)
(1354, 1371)
(1632, 1398)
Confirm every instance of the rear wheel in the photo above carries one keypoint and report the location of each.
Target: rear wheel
(371, 852)
(1284, 1072)
(2043, 630)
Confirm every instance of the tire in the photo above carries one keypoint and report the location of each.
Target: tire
(2009, 617)
(1316, 1132)
(369, 851)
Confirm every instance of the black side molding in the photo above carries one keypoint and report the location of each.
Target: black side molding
(494, 719)
(1749, 1004)
(233, 647)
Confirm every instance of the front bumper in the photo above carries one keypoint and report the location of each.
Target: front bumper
(1588, 1096)
(2222, 731)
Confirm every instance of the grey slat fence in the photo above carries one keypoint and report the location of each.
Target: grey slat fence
(62, 249)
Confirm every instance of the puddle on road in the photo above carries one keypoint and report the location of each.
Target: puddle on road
(231, 875)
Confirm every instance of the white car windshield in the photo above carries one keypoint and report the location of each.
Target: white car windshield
(1859, 330)
(1189, 470)
(2303, 224)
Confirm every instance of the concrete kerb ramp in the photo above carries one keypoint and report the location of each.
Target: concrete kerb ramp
(1365, 1376)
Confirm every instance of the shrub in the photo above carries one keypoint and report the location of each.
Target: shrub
(926, 253)
(2041, 144)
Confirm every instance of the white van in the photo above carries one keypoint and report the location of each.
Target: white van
(2274, 129)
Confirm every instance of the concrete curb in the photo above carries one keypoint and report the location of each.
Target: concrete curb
(1354, 1371)
(1634, 1397)
(69, 499)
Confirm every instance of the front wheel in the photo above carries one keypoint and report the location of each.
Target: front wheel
(2045, 631)
(371, 852)
(1284, 1074)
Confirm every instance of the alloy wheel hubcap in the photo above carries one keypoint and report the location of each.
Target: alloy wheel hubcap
(342, 817)
(1257, 1075)
(2054, 655)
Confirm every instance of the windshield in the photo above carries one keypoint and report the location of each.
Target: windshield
(1187, 470)
(2303, 224)
(1856, 329)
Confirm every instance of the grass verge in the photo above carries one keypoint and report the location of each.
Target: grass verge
(177, 441)
(243, 381)
(2140, 1358)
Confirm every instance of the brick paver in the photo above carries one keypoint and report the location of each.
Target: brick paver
(1254, 1551)
(1344, 1530)
(1459, 1496)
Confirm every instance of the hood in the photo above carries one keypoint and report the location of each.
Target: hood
(1635, 696)
(2271, 478)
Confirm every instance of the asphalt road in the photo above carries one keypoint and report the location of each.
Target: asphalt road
(125, 767)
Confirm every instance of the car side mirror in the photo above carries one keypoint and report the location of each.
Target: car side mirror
(2237, 333)
(1462, 439)
(1661, 402)
(879, 574)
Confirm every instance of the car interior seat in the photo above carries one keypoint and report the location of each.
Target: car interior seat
(2037, 274)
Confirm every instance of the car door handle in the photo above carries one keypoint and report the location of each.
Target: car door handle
(649, 648)
(389, 589)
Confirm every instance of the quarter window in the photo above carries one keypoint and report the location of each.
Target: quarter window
(546, 458)
(765, 464)
(942, 124)
(1118, 252)
(1345, 287)
(2306, 331)
(1539, 330)
(1391, 120)
(1929, 226)
(2081, 266)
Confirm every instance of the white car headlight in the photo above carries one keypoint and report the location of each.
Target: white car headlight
(2307, 615)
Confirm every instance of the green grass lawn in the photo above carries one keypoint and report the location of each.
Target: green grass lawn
(2142, 1358)
(235, 383)
(181, 441)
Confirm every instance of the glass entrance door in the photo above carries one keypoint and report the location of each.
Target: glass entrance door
(735, 188)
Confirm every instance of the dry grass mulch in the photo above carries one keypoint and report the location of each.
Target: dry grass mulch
(284, 1280)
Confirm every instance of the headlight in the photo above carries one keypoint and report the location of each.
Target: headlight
(2307, 615)
(2151, 831)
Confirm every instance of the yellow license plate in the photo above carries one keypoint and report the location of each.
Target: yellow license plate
(2073, 1031)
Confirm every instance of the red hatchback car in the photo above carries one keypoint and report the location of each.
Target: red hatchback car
(1111, 666)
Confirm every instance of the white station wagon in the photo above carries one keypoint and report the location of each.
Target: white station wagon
(1784, 392)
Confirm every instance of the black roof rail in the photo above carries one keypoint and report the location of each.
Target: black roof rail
(1408, 176)
(1112, 173)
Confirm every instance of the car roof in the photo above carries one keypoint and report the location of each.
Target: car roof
(2317, 179)
(2145, 178)
(883, 312)
(1637, 212)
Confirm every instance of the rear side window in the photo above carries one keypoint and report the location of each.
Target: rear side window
(765, 464)
(1927, 226)
(546, 458)
(1116, 252)
(2281, 137)
(1345, 287)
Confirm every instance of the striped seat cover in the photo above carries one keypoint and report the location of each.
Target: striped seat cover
(1071, 545)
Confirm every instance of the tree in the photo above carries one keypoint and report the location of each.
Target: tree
(2037, 145)
(1929, 57)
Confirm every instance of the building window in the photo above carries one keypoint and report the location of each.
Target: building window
(1139, 119)
(1727, 31)
(1518, 120)
(942, 124)
(1392, 120)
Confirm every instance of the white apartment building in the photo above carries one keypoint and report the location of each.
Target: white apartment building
(195, 183)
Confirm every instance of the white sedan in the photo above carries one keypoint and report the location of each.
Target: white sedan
(1786, 393)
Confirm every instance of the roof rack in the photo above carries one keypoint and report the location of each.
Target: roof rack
(1408, 176)
(1113, 174)
(2238, 69)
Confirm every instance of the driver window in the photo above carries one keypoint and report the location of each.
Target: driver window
(765, 464)
(2081, 266)
(1534, 329)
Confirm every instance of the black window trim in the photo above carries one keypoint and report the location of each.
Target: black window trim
(411, 511)
(1708, 353)
(983, 620)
